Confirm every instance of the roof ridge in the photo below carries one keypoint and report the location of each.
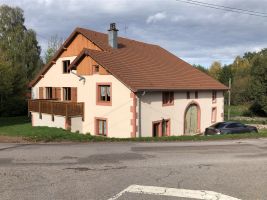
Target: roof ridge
(119, 37)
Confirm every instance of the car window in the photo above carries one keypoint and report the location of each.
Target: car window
(240, 125)
(219, 125)
(233, 125)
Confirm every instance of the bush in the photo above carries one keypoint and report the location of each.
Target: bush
(256, 109)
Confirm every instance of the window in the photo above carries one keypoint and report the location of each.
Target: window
(233, 125)
(66, 94)
(103, 94)
(101, 127)
(167, 98)
(66, 64)
(96, 68)
(188, 95)
(165, 127)
(196, 94)
(214, 96)
(48, 92)
(213, 115)
(161, 128)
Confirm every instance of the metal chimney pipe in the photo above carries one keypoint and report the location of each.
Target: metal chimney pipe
(113, 36)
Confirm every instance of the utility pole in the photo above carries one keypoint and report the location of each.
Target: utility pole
(229, 100)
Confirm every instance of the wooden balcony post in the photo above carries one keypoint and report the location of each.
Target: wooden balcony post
(40, 114)
(82, 111)
(28, 108)
(67, 119)
(52, 111)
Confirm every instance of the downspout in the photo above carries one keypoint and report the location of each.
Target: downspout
(139, 113)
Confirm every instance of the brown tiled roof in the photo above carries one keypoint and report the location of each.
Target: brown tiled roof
(143, 66)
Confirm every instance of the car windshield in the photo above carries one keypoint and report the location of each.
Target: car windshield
(219, 125)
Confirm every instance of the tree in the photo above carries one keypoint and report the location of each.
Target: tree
(19, 60)
(201, 68)
(215, 70)
(225, 74)
(258, 87)
(53, 45)
(241, 78)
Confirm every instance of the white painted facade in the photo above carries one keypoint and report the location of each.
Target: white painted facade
(46, 120)
(119, 114)
(152, 110)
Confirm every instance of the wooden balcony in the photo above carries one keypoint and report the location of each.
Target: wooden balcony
(53, 107)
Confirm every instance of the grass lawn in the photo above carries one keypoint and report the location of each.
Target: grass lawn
(21, 127)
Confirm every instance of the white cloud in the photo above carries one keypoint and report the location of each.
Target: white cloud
(156, 17)
(197, 34)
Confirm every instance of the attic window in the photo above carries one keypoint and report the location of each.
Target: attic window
(96, 68)
(66, 64)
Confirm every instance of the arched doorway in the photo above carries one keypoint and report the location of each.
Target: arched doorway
(192, 119)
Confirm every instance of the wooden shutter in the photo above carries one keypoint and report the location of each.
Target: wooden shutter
(53, 93)
(41, 92)
(74, 94)
(58, 93)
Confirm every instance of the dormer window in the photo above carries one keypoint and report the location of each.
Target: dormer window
(66, 64)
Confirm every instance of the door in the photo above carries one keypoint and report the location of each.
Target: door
(156, 129)
(191, 120)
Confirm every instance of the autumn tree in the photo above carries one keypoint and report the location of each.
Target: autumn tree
(241, 78)
(215, 70)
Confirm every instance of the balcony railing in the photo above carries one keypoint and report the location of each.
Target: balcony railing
(53, 107)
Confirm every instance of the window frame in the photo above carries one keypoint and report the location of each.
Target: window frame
(214, 96)
(68, 90)
(98, 94)
(161, 128)
(167, 98)
(96, 69)
(65, 71)
(167, 122)
(196, 94)
(49, 90)
(188, 95)
(97, 120)
(214, 117)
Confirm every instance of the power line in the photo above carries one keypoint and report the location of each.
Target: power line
(224, 8)
(227, 7)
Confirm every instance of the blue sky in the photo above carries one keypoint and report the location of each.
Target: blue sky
(196, 34)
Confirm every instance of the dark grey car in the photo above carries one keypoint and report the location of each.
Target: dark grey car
(229, 128)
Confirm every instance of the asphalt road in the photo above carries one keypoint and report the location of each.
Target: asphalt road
(99, 171)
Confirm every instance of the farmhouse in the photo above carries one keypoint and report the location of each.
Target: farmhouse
(107, 85)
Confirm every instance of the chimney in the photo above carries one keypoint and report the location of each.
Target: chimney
(113, 36)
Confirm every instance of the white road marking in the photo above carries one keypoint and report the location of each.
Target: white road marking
(174, 192)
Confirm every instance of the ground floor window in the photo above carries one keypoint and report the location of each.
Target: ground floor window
(213, 115)
(165, 127)
(161, 128)
(101, 127)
